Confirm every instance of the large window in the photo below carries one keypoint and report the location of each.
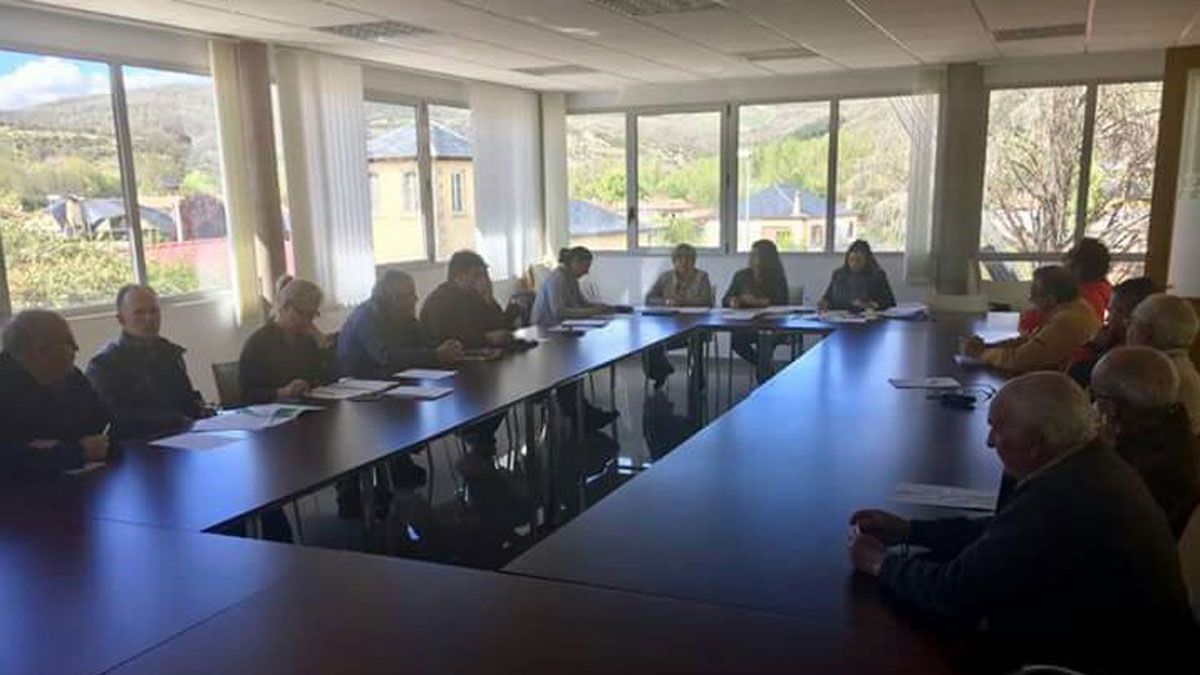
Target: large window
(1038, 151)
(68, 239)
(596, 181)
(453, 170)
(392, 151)
(783, 175)
(679, 179)
(177, 160)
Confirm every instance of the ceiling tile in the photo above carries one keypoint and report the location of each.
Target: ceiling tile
(295, 12)
(1042, 47)
(1146, 24)
(1001, 14)
(940, 31)
(720, 29)
(831, 28)
(800, 66)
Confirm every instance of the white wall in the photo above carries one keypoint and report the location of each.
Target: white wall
(206, 328)
(625, 278)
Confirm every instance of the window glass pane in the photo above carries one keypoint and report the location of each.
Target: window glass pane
(450, 146)
(62, 216)
(399, 231)
(1122, 172)
(1031, 181)
(783, 171)
(181, 198)
(875, 144)
(596, 181)
(1022, 270)
(679, 179)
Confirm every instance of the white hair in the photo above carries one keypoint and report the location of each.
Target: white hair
(1170, 320)
(1050, 405)
(1142, 378)
(28, 331)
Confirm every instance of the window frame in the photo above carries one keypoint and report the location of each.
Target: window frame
(123, 139)
(1086, 151)
(425, 191)
(729, 176)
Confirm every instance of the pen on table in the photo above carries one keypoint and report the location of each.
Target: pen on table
(107, 428)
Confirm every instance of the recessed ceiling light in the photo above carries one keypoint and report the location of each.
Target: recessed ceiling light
(377, 31)
(637, 8)
(584, 32)
(553, 71)
(1040, 32)
(779, 54)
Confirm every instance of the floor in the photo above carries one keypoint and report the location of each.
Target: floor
(488, 521)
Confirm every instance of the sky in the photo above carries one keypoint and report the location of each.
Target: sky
(29, 79)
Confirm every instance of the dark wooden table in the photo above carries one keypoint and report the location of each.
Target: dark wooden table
(752, 510)
(371, 615)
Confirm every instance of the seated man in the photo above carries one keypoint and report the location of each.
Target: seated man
(382, 335)
(463, 307)
(288, 355)
(1069, 323)
(1134, 390)
(1125, 296)
(141, 375)
(50, 418)
(1078, 566)
(681, 286)
(1168, 323)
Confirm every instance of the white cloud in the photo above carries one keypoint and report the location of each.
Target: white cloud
(45, 80)
(141, 78)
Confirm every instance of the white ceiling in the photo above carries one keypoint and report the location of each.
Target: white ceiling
(488, 39)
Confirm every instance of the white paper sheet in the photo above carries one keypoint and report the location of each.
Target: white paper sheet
(789, 309)
(425, 374)
(741, 314)
(334, 392)
(230, 421)
(693, 310)
(945, 496)
(423, 393)
(585, 323)
(906, 310)
(86, 468)
(833, 317)
(925, 383)
(191, 440)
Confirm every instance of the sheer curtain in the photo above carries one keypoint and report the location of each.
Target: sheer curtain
(920, 117)
(324, 137)
(508, 177)
(554, 166)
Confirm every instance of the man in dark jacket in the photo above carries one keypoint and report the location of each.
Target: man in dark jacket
(1135, 391)
(50, 419)
(463, 308)
(1078, 566)
(141, 375)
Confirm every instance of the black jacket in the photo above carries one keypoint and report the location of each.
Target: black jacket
(1081, 550)
(272, 358)
(145, 384)
(743, 282)
(845, 288)
(451, 311)
(30, 411)
(1165, 454)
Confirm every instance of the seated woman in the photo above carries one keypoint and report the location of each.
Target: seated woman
(681, 286)
(1088, 262)
(860, 283)
(288, 355)
(762, 284)
(559, 299)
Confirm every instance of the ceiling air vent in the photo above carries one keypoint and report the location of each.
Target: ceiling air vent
(555, 71)
(1040, 32)
(778, 54)
(384, 32)
(657, 7)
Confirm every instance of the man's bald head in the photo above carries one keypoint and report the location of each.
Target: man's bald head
(41, 341)
(1037, 418)
(1136, 379)
(138, 311)
(1164, 322)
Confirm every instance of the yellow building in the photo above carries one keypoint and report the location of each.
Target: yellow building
(399, 234)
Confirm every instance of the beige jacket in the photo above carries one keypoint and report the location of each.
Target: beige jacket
(1069, 326)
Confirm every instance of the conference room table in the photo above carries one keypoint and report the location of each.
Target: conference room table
(726, 556)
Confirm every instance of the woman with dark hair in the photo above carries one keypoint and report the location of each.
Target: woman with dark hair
(860, 283)
(1089, 262)
(762, 284)
(559, 297)
(1125, 296)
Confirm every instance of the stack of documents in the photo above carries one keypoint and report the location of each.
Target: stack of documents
(253, 418)
(906, 310)
(424, 374)
(925, 383)
(349, 387)
(585, 323)
(425, 393)
(192, 440)
(946, 496)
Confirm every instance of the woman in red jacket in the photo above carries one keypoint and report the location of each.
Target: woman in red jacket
(1089, 262)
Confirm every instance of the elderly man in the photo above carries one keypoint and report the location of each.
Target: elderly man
(1068, 325)
(1168, 323)
(1134, 390)
(50, 419)
(382, 335)
(1079, 548)
(141, 375)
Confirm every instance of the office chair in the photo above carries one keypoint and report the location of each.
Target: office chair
(229, 386)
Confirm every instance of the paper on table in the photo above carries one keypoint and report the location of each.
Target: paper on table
(789, 309)
(964, 360)
(191, 440)
(906, 310)
(925, 383)
(335, 392)
(693, 310)
(89, 466)
(945, 496)
(833, 317)
(424, 393)
(425, 373)
(585, 323)
(230, 421)
(741, 314)
(658, 311)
